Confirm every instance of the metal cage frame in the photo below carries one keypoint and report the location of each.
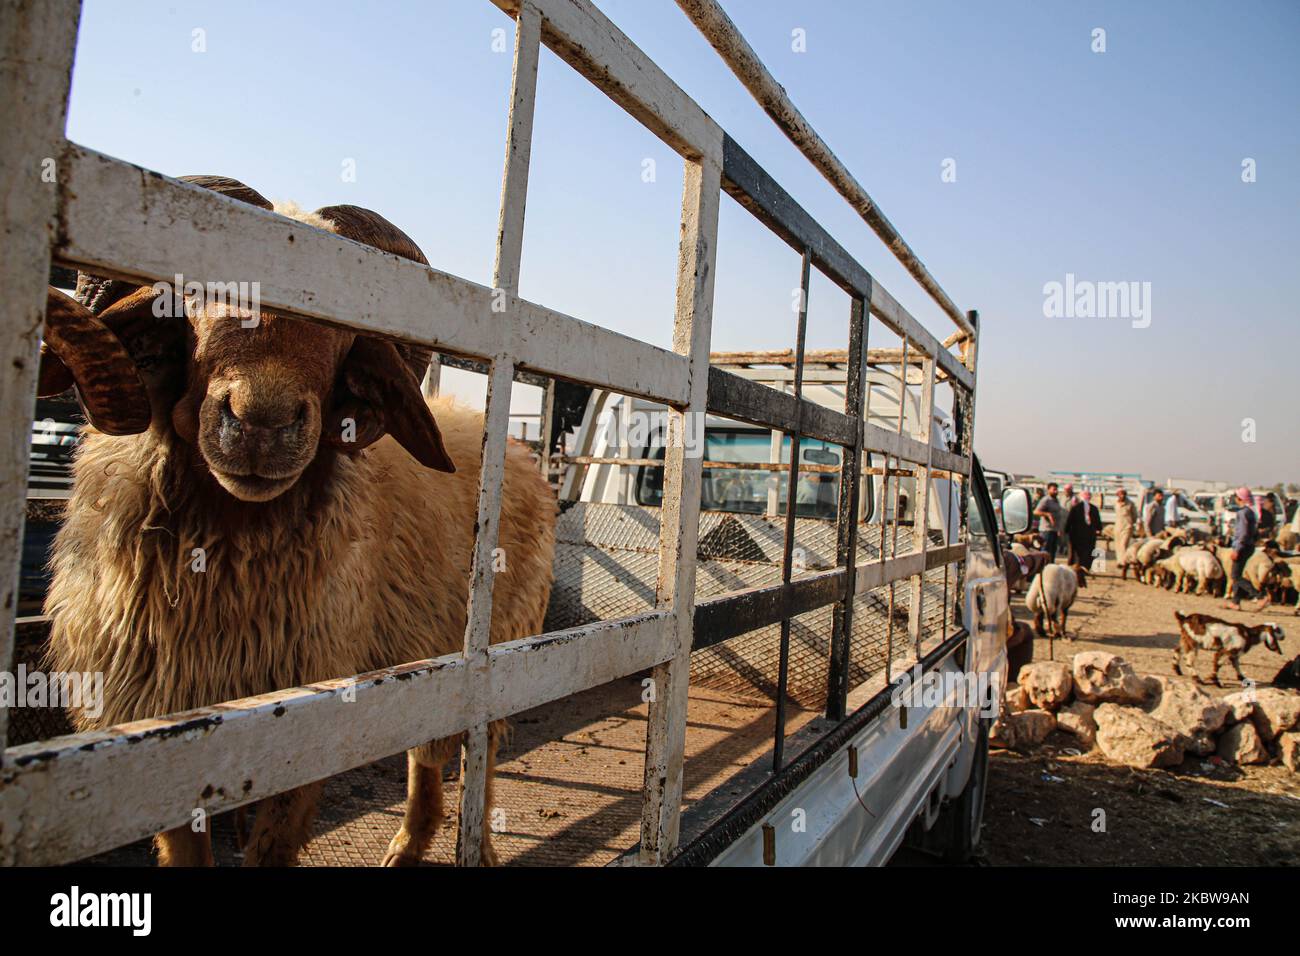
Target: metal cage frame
(102, 214)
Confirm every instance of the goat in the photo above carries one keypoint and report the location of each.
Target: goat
(1051, 595)
(290, 510)
(1224, 638)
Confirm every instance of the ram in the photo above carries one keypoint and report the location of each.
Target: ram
(1051, 596)
(289, 509)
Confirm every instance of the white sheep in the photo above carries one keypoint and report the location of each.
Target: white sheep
(1199, 565)
(1051, 596)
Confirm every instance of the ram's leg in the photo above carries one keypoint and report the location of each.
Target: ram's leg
(183, 847)
(497, 733)
(1218, 656)
(1065, 617)
(1178, 657)
(423, 803)
(1236, 666)
(282, 826)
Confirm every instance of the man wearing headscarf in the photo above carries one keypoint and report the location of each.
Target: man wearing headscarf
(1125, 519)
(1244, 535)
(1082, 526)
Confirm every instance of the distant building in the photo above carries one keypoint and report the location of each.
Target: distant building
(1193, 486)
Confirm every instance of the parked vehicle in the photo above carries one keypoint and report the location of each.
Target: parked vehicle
(1190, 515)
(1226, 507)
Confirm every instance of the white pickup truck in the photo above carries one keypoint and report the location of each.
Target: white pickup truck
(823, 557)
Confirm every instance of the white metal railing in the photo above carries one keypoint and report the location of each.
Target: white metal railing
(64, 799)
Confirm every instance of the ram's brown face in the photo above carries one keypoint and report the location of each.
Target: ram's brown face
(258, 395)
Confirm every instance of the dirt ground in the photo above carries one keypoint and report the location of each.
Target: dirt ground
(1042, 805)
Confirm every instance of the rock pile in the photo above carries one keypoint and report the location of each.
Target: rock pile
(1145, 721)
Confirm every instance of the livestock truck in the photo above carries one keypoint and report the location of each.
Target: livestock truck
(777, 630)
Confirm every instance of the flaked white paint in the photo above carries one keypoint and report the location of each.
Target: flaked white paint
(113, 213)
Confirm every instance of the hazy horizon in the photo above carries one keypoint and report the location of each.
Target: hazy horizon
(1071, 166)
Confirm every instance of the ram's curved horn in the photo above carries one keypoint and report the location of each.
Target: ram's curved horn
(80, 348)
(367, 226)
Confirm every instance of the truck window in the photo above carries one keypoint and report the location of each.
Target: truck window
(745, 490)
(980, 520)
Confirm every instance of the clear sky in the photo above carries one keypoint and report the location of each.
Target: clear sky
(1115, 166)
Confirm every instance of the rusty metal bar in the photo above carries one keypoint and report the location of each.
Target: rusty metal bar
(751, 186)
(748, 401)
(736, 52)
(791, 508)
(921, 503)
(837, 681)
(719, 619)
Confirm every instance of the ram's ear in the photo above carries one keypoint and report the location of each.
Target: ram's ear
(80, 348)
(379, 393)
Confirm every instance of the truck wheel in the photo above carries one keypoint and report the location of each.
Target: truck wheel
(967, 811)
(955, 835)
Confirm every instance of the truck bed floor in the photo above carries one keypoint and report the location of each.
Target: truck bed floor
(569, 781)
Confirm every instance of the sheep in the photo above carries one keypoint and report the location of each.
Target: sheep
(1150, 551)
(1287, 539)
(1288, 585)
(1200, 565)
(1282, 585)
(1166, 573)
(295, 512)
(1224, 556)
(1262, 570)
(1127, 559)
(1051, 596)
(1224, 638)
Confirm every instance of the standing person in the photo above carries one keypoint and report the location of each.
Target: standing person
(1153, 515)
(1068, 500)
(1082, 527)
(1245, 532)
(1051, 517)
(1125, 519)
(1267, 517)
(1172, 516)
